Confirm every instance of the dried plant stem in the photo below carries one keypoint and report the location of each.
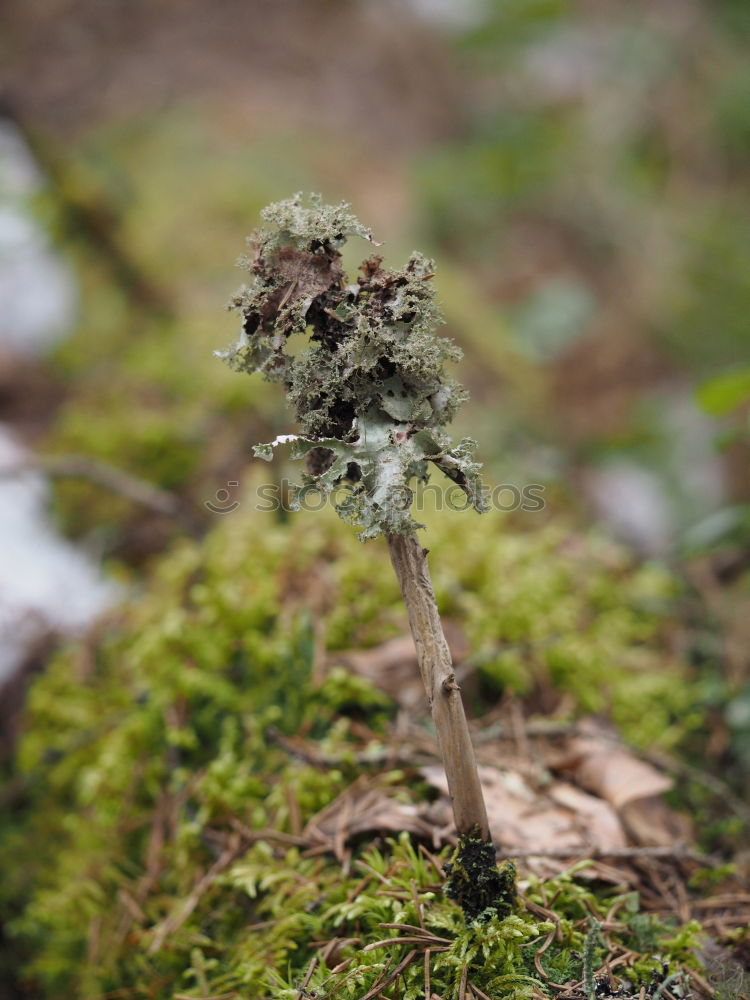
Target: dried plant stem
(102, 474)
(443, 693)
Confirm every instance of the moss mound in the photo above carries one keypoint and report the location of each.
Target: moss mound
(159, 851)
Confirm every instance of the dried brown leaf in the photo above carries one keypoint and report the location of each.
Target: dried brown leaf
(602, 765)
(521, 817)
(364, 807)
(392, 666)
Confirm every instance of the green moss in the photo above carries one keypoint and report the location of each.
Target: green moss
(147, 751)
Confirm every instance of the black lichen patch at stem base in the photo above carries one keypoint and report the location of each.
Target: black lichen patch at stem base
(476, 883)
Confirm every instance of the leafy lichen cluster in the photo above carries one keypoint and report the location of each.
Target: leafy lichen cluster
(370, 392)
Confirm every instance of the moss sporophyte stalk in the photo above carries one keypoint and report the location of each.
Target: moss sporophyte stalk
(372, 399)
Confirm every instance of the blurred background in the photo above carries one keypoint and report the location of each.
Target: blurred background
(579, 172)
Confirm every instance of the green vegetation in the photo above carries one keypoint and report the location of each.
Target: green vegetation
(586, 199)
(149, 777)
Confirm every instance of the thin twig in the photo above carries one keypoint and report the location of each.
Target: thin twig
(702, 983)
(480, 993)
(443, 694)
(253, 836)
(178, 916)
(433, 861)
(381, 985)
(215, 996)
(414, 930)
(462, 984)
(541, 911)
(407, 939)
(540, 952)
(595, 853)
(102, 474)
(718, 901)
(308, 976)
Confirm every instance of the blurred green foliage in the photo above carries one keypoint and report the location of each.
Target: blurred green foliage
(599, 188)
(628, 132)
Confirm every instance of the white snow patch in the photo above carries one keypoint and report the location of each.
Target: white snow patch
(46, 584)
(634, 502)
(38, 292)
(450, 14)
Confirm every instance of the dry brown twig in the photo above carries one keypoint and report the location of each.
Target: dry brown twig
(385, 982)
(409, 561)
(308, 976)
(180, 914)
(101, 474)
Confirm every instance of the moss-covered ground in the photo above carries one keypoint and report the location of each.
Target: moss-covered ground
(157, 847)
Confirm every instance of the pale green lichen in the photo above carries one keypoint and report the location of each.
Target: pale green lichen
(370, 392)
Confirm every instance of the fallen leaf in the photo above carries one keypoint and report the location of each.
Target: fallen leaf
(521, 818)
(651, 822)
(598, 762)
(365, 807)
(392, 666)
(595, 759)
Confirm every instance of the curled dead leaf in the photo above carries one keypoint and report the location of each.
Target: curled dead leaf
(393, 667)
(522, 818)
(364, 807)
(599, 762)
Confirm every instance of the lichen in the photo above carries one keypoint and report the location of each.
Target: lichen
(370, 392)
(476, 883)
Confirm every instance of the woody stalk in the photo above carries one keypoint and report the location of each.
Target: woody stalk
(372, 399)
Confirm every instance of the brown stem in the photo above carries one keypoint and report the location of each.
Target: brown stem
(107, 476)
(443, 693)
